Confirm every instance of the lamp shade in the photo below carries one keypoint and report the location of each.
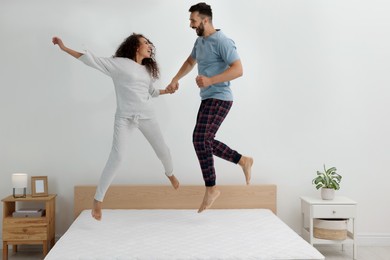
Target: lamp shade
(19, 180)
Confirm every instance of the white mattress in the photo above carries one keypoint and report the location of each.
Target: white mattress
(181, 234)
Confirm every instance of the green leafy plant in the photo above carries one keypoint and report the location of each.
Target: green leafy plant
(327, 179)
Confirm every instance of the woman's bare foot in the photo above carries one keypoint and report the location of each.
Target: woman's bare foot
(97, 210)
(210, 196)
(175, 183)
(246, 165)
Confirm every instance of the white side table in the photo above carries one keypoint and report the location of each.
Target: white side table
(339, 207)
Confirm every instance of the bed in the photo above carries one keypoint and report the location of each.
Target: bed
(158, 222)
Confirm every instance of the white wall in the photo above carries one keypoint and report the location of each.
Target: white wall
(314, 91)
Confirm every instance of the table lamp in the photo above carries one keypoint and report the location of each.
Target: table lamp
(19, 181)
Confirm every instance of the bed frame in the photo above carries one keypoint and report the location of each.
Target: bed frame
(186, 197)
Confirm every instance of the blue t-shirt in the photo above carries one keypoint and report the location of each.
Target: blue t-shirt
(214, 54)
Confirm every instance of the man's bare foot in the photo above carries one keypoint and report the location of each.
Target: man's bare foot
(97, 210)
(175, 183)
(246, 165)
(210, 196)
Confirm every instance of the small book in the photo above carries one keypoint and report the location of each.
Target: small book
(28, 210)
(29, 213)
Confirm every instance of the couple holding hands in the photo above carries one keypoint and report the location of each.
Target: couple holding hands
(133, 70)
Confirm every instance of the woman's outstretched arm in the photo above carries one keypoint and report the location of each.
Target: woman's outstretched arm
(58, 41)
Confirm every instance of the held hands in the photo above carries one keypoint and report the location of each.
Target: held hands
(172, 87)
(203, 81)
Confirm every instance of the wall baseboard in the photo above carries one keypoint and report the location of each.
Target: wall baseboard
(373, 239)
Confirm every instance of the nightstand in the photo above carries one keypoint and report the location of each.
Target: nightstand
(28, 230)
(339, 207)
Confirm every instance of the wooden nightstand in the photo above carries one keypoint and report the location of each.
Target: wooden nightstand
(339, 207)
(17, 231)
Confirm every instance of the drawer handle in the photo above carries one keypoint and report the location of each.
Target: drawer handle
(334, 212)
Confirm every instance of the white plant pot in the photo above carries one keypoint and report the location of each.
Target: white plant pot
(327, 194)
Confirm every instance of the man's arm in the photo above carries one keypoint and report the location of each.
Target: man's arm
(187, 66)
(234, 71)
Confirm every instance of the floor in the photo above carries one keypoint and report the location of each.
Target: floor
(330, 253)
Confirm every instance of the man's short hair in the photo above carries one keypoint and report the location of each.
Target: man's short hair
(202, 8)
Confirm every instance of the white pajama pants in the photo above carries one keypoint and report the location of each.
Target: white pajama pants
(122, 128)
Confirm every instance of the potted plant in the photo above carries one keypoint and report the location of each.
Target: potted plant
(328, 181)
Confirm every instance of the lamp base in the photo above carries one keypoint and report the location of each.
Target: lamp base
(19, 195)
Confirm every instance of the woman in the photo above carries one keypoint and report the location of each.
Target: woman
(133, 70)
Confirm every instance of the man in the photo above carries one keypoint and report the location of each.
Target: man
(218, 64)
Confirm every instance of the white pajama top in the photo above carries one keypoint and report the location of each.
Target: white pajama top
(133, 84)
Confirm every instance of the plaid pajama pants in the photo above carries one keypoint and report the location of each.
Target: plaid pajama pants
(211, 114)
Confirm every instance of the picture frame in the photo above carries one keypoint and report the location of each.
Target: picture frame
(39, 187)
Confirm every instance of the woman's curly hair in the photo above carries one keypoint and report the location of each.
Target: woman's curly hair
(128, 49)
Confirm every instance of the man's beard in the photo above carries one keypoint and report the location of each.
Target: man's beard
(200, 30)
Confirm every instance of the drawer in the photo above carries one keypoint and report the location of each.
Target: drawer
(22, 233)
(15, 233)
(334, 211)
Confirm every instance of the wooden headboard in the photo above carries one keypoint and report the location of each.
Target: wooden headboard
(186, 197)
